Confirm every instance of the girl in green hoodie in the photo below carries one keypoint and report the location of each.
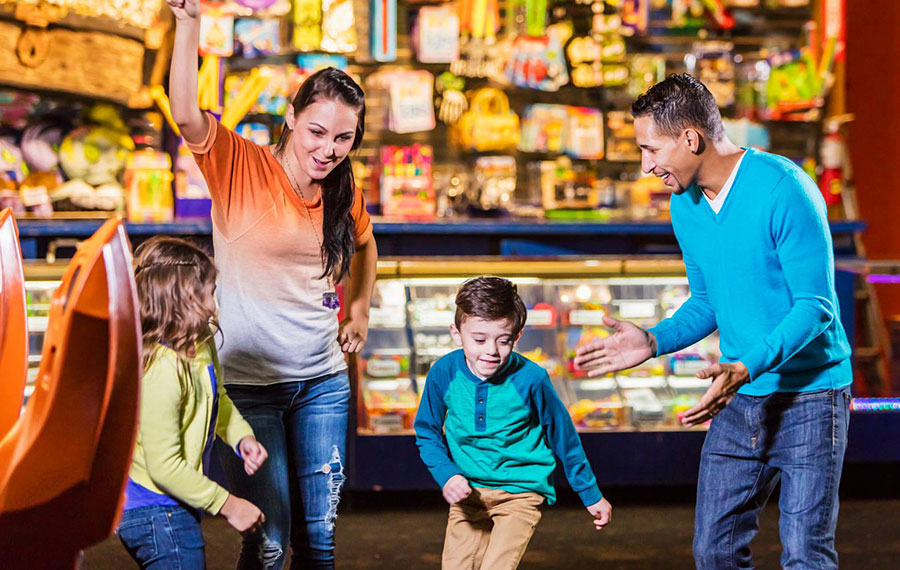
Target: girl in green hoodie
(183, 408)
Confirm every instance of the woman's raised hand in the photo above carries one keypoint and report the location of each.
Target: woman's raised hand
(185, 9)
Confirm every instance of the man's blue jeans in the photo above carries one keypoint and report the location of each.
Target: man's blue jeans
(797, 438)
(163, 538)
(303, 426)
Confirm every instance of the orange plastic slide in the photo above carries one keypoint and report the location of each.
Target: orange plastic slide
(64, 464)
(13, 324)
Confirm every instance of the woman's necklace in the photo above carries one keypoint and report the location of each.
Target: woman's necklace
(330, 298)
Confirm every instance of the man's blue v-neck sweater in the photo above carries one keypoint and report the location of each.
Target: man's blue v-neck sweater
(762, 272)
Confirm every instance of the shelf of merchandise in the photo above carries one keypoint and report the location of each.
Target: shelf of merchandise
(500, 236)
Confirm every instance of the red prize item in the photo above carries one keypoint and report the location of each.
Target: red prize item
(13, 324)
(834, 156)
(831, 184)
(64, 464)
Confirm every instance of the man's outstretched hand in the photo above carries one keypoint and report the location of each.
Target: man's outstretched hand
(628, 346)
(727, 378)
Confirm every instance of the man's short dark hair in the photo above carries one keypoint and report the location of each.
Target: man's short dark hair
(680, 102)
(491, 299)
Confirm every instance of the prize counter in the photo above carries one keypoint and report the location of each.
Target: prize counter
(568, 274)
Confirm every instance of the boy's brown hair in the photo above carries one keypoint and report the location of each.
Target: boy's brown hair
(493, 299)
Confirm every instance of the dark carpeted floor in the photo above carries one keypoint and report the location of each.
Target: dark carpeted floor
(642, 537)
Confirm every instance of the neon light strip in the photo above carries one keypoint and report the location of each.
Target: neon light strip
(875, 405)
(883, 278)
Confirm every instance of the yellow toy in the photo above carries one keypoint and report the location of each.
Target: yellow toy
(240, 105)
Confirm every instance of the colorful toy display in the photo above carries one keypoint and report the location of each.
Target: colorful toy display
(584, 133)
(452, 101)
(40, 146)
(479, 19)
(386, 363)
(95, 154)
(412, 96)
(390, 405)
(543, 128)
(148, 183)
(566, 186)
(257, 37)
(620, 142)
(713, 64)
(406, 184)
(635, 16)
(237, 106)
(192, 199)
(494, 184)
(644, 71)
(307, 24)
(794, 90)
(489, 124)
(598, 404)
(12, 164)
(216, 31)
(338, 26)
(539, 63)
(436, 35)
(35, 191)
(552, 365)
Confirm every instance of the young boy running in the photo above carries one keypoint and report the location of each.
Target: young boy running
(488, 427)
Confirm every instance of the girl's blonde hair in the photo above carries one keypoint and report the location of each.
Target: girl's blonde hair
(176, 283)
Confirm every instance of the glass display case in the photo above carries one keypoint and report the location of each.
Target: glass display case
(629, 422)
(431, 310)
(649, 401)
(38, 294)
(566, 304)
(540, 340)
(389, 395)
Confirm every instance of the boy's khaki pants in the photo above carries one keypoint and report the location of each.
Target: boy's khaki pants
(490, 529)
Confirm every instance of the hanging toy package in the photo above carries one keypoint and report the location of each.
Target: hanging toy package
(383, 30)
(489, 124)
(407, 187)
(453, 102)
(584, 133)
(479, 22)
(216, 31)
(307, 15)
(538, 62)
(412, 96)
(257, 37)
(436, 36)
(338, 26)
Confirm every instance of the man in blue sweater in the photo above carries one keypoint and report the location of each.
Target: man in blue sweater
(757, 248)
(488, 427)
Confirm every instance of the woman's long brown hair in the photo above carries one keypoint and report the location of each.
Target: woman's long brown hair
(176, 282)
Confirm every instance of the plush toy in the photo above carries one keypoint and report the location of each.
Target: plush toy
(79, 195)
(11, 163)
(97, 153)
(9, 196)
(40, 146)
(35, 191)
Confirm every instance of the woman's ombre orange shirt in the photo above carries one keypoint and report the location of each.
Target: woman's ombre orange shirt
(270, 288)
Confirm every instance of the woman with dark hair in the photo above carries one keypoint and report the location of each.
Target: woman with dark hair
(288, 225)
